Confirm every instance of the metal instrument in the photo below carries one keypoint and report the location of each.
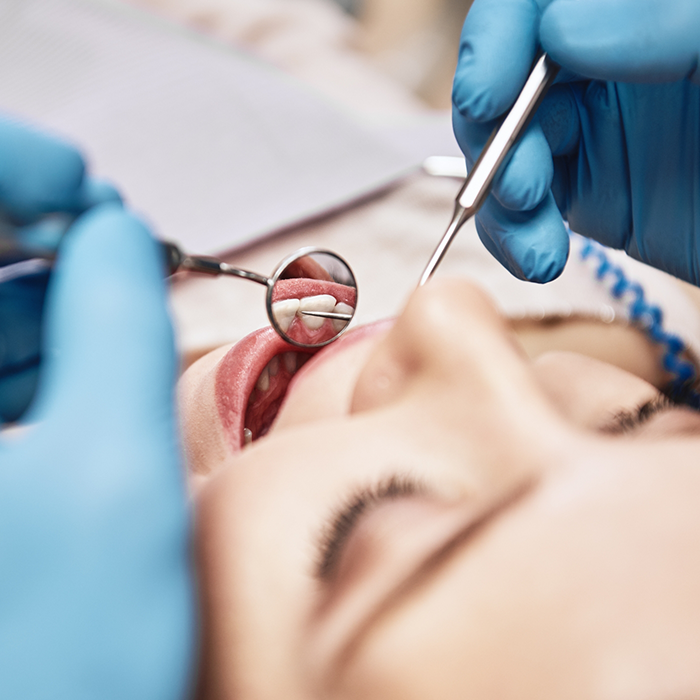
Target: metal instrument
(312, 283)
(333, 285)
(478, 183)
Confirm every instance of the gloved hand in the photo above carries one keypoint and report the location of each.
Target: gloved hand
(39, 176)
(95, 591)
(616, 139)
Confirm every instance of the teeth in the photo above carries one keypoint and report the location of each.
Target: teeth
(290, 361)
(284, 312)
(341, 308)
(322, 302)
(302, 359)
(247, 436)
(263, 383)
(273, 366)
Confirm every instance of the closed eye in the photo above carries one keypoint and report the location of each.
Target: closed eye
(625, 422)
(343, 521)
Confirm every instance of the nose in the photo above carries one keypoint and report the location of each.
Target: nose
(452, 354)
(450, 333)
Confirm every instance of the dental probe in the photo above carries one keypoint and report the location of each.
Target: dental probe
(477, 186)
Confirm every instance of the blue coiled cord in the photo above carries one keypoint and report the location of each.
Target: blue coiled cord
(649, 318)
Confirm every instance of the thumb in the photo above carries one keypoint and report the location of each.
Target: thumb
(110, 360)
(626, 40)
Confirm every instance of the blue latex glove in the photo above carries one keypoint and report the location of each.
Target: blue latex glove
(95, 590)
(615, 146)
(39, 176)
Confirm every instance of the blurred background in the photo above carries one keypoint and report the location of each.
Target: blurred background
(414, 41)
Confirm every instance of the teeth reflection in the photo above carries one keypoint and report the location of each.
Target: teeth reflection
(273, 366)
(284, 312)
(263, 383)
(321, 302)
(341, 308)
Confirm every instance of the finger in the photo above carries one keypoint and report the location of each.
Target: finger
(531, 245)
(524, 181)
(94, 192)
(38, 174)
(558, 116)
(45, 235)
(626, 41)
(471, 136)
(16, 392)
(497, 48)
(527, 177)
(21, 306)
(593, 185)
(110, 360)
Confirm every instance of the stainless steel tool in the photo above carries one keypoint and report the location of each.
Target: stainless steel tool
(478, 183)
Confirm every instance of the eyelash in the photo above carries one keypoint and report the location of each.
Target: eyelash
(625, 422)
(343, 521)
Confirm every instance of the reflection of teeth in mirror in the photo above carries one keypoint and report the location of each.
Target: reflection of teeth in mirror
(340, 308)
(273, 366)
(263, 383)
(322, 302)
(284, 312)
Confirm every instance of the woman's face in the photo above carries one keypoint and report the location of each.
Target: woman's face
(433, 515)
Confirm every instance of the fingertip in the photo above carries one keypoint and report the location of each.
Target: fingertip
(95, 192)
(532, 246)
(497, 46)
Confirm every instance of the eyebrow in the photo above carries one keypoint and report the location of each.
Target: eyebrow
(428, 567)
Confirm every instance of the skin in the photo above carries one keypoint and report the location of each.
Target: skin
(542, 558)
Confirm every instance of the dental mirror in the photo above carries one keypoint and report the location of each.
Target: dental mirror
(311, 297)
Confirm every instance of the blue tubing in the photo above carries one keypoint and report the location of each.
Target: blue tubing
(649, 318)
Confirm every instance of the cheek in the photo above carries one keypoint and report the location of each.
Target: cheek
(202, 436)
(586, 391)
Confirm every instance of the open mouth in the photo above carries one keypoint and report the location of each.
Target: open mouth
(251, 382)
(253, 377)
